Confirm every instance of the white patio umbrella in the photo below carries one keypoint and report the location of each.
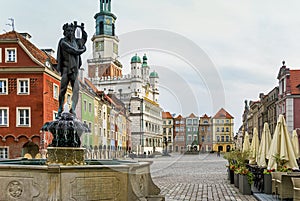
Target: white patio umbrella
(295, 142)
(264, 146)
(246, 144)
(281, 144)
(254, 147)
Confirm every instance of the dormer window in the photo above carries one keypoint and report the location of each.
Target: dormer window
(11, 55)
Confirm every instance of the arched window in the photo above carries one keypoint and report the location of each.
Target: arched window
(113, 29)
(101, 28)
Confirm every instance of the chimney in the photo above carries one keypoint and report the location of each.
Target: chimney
(25, 35)
(49, 51)
(81, 74)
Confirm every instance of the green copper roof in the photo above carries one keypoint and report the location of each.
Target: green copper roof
(154, 74)
(136, 59)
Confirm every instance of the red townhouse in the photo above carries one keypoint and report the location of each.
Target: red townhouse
(288, 102)
(29, 87)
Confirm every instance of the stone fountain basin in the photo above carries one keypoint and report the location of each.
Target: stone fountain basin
(33, 180)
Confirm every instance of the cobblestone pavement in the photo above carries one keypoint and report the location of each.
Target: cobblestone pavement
(194, 177)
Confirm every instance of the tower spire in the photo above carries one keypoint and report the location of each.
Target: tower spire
(105, 6)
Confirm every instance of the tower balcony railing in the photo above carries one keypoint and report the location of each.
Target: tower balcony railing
(100, 60)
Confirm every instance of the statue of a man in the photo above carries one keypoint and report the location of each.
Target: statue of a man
(69, 62)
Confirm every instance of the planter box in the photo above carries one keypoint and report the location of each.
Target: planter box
(236, 180)
(231, 176)
(244, 185)
(268, 184)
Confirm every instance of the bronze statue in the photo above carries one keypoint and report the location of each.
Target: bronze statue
(69, 62)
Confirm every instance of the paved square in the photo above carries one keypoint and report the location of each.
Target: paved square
(194, 177)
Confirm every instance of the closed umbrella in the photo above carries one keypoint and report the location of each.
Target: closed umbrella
(264, 146)
(281, 145)
(246, 144)
(295, 143)
(254, 147)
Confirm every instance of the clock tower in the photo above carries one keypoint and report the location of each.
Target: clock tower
(105, 45)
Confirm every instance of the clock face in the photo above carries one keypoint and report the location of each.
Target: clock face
(116, 48)
(100, 46)
(107, 21)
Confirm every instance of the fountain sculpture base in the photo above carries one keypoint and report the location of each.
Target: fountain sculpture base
(100, 180)
(65, 156)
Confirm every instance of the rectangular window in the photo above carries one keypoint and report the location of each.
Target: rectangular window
(227, 129)
(227, 138)
(90, 126)
(23, 118)
(195, 121)
(23, 86)
(3, 86)
(222, 138)
(11, 54)
(90, 107)
(3, 152)
(84, 105)
(0, 55)
(202, 138)
(208, 138)
(4, 116)
(55, 91)
(54, 115)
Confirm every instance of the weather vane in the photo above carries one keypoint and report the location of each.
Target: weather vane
(12, 24)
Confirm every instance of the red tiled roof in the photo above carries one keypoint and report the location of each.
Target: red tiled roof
(192, 116)
(295, 81)
(223, 114)
(36, 52)
(205, 116)
(178, 117)
(166, 115)
(89, 83)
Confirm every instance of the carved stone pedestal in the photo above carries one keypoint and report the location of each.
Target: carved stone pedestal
(65, 156)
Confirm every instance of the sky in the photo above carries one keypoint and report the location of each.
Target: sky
(208, 54)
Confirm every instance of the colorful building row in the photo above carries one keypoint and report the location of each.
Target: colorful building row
(194, 133)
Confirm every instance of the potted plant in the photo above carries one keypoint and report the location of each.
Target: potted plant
(232, 163)
(268, 181)
(245, 180)
(236, 160)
